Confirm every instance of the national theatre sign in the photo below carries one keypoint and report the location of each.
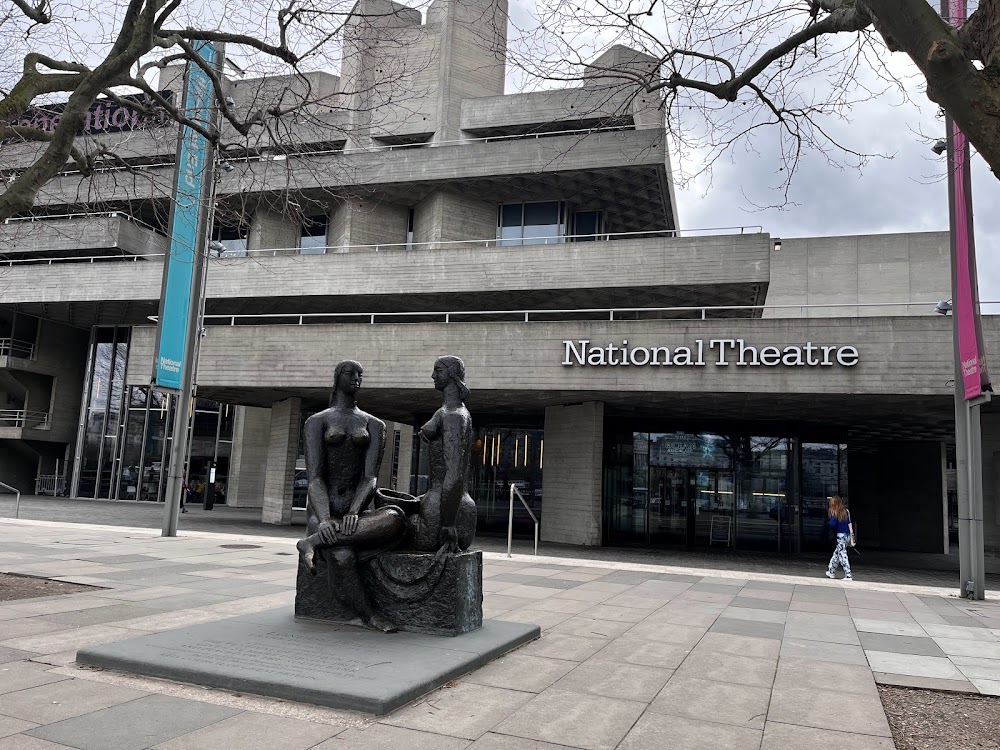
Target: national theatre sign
(716, 352)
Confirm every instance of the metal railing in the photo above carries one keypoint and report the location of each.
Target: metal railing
(510, 519)
(80, 215)
(24, 418)
(615, 314)
(279, 154)
(16, 348)
(50, 484)
(70, 259)
(17, 497)
(491, 242)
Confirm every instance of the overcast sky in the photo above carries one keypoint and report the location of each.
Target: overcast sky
(907, 193)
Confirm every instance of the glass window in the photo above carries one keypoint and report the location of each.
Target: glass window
(410, 215)
(588, 226)
(820, 480)
(766, 517)
(511, 216)
(312, 235)
(531, 223)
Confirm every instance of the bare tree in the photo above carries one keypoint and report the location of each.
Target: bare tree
(728, 68)
(84, 52)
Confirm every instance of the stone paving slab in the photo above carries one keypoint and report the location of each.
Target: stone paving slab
(704, 658)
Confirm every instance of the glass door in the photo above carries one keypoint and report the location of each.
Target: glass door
(712, 509)
(668, 506)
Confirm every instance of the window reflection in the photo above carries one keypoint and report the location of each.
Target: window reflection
(531, 223)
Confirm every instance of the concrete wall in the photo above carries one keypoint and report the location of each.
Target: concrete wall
(272, 230)
(896, 355)
(857, 270)
(895, 495)
(574, 460)
(405, 454)
(358, 221)
(471, 58)
(282, 450)
(693, 261)
(446, 216)
(990, 422)
(18, 466)
(248, 464)
(551, 155)
(92, 235)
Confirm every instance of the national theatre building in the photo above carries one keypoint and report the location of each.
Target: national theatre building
(639, 381)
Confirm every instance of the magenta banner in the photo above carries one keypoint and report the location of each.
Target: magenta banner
(972, 353)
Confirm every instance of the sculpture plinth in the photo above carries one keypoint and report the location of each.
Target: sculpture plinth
(418, 592)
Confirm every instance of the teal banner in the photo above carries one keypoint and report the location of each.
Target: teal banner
(188, 218)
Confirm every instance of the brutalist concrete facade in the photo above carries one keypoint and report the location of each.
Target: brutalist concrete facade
(376, 224)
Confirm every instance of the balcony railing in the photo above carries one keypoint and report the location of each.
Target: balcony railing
(16, 348)
(82, 215)
(488, 243)
(38, 420)
(615, 314)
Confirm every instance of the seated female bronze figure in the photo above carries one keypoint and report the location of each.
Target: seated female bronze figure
(447, 518)
(343, 447)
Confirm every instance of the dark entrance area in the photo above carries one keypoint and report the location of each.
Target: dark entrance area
(747, 489)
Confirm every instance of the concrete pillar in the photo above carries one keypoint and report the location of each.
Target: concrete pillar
(573, 473)
(270, 230)
(248, 464)
(990, 425)
(357, 221)
(282, 450)
(447, 217)
(402, 457)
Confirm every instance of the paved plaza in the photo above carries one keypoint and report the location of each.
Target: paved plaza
(632, 656)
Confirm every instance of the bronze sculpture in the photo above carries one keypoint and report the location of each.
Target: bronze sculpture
(402, 562)
(343, 447)
(447, 518)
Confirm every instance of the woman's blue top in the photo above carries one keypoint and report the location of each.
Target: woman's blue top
(839, 526)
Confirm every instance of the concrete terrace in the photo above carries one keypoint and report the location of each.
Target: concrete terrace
(630, 653)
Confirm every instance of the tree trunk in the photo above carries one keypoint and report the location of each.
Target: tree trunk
(969, 95)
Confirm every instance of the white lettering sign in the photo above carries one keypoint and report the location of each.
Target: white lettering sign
(716, 352)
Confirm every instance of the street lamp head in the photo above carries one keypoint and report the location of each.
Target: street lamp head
(943, 307)
(940, 147)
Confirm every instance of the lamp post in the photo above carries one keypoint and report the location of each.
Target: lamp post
(966, 339)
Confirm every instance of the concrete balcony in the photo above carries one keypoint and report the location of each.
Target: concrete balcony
(20, 424)
(79, 234)
(408, 173)
(633, 271)
(544, 109)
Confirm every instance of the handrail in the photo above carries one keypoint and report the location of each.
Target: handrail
(510, 520)
(293, 318)
(24, 418)
(17, 497)
(16, 347)
(401, 246)
(278, 155)
(554, 239)
(79, 215)
(68, 259)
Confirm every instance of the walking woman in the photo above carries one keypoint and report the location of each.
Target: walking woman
(840, 522)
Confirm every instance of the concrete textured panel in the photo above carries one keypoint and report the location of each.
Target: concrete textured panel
(702, 261)
(896, 355)
(275, 655)
(565, 153)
